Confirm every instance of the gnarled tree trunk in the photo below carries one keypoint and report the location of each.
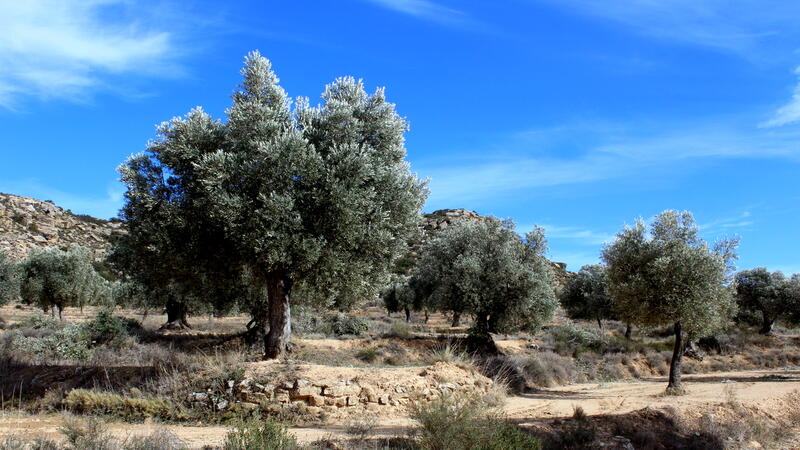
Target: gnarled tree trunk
(674, 385)
(408, 313)
(177, 315)
(767, 324)
(628, 331)
(278, 339)
(456, 319)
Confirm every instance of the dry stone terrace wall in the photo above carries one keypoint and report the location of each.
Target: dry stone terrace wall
(344, 389)
(27, 223)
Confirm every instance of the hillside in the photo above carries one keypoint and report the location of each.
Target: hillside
(27, 223)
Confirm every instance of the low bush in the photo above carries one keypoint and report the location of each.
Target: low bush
(341, 324)
(108, 329)
(572, 340)
(40, 321)
(399, 330)
(465, 422)
(70, 342)
(259, 434)
(126, 407)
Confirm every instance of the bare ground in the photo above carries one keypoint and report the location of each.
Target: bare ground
(763, 389)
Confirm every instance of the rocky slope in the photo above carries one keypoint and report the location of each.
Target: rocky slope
(27, 223)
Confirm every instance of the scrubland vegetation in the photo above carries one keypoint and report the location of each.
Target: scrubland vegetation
(291, 233)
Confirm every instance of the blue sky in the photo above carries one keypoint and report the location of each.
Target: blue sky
(574, 114)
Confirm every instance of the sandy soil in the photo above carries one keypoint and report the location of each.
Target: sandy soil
(764, 389)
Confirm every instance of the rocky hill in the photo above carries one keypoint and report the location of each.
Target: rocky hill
(27, 223)
(441, 219)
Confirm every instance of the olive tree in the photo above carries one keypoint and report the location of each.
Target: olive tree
(399, 297)
(487, 271)
(9, 279)
(671, 276)
(586, 295)
(54, 279)
(311, 199)
(771, 295)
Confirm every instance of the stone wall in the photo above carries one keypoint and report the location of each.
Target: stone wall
(335, 388)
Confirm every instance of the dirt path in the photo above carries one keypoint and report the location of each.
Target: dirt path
(760, 388)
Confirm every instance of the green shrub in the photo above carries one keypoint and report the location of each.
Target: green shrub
(342, 324)
(40, 321)
(259, 434)
(107, 329)
(465, 422)
(572, 340)
(399, 330)
(70, 342)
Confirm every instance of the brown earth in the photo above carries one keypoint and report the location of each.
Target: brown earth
(765, 390)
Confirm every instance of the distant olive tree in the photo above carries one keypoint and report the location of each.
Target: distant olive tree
(317, 200)
(671, 276)
(54, 279)
(772, 295)
(9, 279)
(485, 270)
(399, 297)
(586, 295)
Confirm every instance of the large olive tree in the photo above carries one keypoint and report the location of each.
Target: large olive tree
(772, 295)
(54, 279)
(300, 198)
(485, 270)
(671, 276)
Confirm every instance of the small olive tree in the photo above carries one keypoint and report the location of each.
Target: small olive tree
(771, 295)
(400, 297)
(9, 279)
(671, 276)
(54, 279)
(312, 199)
(485, 270)
(586, 295)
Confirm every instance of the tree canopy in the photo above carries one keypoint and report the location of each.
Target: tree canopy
(772, 295)
(484, 269)
(55, 278)
(671, 276)
(586, 295)
(315, 199)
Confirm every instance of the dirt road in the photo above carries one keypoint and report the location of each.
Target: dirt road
(761, 388)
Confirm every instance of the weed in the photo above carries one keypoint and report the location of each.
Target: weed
(259, 434)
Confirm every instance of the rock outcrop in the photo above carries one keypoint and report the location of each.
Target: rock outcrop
(27, 223)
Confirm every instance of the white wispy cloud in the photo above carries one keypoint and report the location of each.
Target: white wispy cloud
(742, 220)
(579, 234)
(67, 48)
(427, 10)
(632, 151)
(789, 113)
(744, 27)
